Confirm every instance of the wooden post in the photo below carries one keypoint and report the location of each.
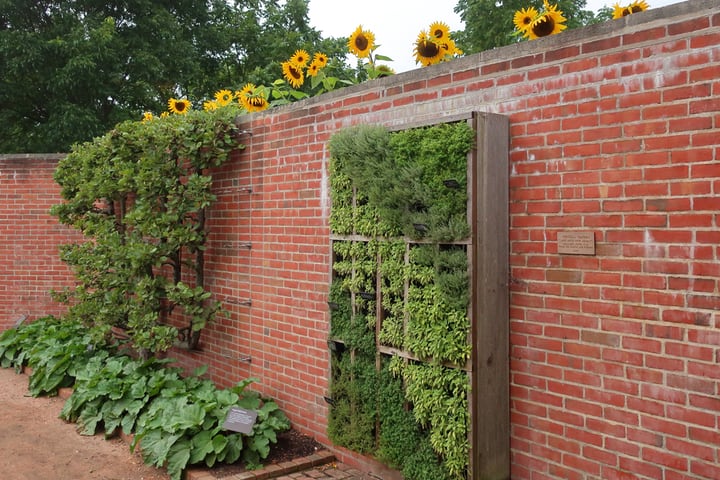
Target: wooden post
(490, 396)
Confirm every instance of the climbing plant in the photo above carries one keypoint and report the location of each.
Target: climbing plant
(139, 194)
(399, 297)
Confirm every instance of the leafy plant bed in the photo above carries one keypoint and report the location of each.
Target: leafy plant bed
(176, 420)
(291, 445)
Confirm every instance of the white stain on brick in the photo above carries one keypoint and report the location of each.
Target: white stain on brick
(652, 249)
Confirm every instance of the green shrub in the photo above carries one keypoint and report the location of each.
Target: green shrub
(54, 349)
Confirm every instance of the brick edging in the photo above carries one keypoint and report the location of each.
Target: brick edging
(269, 471)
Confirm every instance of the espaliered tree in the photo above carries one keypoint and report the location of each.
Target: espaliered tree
(139, 195)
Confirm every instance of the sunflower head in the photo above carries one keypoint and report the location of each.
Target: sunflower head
(549, 22)
(320, 59)
(180, 107)
(635, 7)
(361, 42)
(427, 50)
(223, 97)
(210, 105)
(252, 98)
(300, 58)
(313, 69)
(293, 74)
(147, 116)
(258, 103)
(524, 18)
(439, 30)
(449, 48)
(384, 71)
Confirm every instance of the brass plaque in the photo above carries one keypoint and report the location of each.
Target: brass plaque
(576, 243)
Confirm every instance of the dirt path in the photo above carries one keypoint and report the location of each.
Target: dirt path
(36, 445)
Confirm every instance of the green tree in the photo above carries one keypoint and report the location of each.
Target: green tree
(489, 23)
(72, 69)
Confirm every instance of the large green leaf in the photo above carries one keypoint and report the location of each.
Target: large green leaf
(202, 445)
(178, 458)
(156, 445)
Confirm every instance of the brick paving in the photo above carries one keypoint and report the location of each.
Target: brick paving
(320, 466)
(331, 471)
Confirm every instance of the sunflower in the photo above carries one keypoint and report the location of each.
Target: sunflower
(293, 74)
(164, 114)
(320, 59)
(223, 97)
(548, 23)
(449, 48)
(524, 18)
(300, 58)
(427, 50)
(180, 107)
(210, 105)
(385, 71)
(439, 30)
(635, 7)
(313, 69)
(147, 116)
(252, 98)
(258, 103)
(361, 42)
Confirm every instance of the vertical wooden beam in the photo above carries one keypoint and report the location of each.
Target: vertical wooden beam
(490, 396)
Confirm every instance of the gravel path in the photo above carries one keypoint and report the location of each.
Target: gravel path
(37, 445)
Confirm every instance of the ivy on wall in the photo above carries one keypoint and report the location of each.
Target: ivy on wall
(399, 297)
(139, 194)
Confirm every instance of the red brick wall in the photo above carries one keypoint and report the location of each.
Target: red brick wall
(615, 129)
(29, 239)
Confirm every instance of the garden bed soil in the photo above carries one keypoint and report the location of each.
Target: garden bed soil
(291, 445)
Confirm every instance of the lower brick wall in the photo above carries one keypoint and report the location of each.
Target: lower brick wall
(29, 237)
(615, 130)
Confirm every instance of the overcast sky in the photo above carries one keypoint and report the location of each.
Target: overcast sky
(396, 23)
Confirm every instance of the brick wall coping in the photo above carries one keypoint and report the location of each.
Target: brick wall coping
(31, 157)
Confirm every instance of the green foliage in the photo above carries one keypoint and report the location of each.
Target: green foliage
(426, 159)
(489, 23)
(353, 392)
(182, 424)
(393, 278)
(139, 195)
(352, 325)
(74, 69)
(386, 184)
(358, 154)
(439, 396)
(15, 343)
(438, 326)
(411, 183)
(402, 443)
(54, 349)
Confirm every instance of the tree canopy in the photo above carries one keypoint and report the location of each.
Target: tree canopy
(72, 69)
(489, 23)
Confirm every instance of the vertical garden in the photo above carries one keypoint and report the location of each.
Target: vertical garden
(400, 297)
